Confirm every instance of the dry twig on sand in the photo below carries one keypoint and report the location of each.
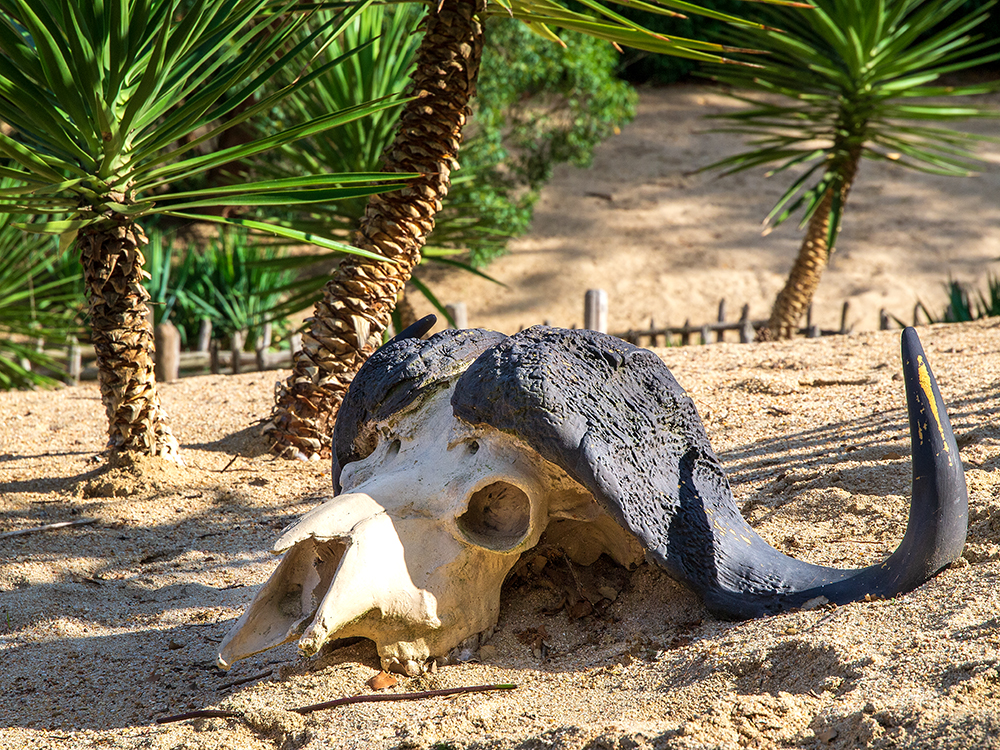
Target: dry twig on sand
(217, 714)
(48, 527)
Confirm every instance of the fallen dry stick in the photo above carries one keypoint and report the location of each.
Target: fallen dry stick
(48, 527)
(217, 714)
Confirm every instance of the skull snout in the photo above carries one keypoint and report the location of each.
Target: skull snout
(412, 556)
(344, 564)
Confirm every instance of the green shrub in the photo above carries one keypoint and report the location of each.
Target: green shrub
(233, 282)
(538, 104)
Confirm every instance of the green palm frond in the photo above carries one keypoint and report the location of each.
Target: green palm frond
(385, 45)
(601, 21)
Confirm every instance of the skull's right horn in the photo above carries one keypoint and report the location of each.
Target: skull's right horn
(614, 418)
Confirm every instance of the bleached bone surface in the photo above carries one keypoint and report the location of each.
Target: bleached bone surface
(413, 553)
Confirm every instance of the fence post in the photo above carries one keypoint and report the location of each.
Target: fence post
(843, 317)
(706, 333)
(204, 334)
(263, 344)
(595, 310)
(746, 327)
(74, 362)
(883, 320)
(459, 313)
(235, 349)
(721, 335)
(686, 335)
(167, 351)
(213, 357)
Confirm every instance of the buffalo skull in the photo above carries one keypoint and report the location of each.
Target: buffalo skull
(452, 456)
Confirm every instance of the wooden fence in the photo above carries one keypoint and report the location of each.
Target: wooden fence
(745, 328)
(77, 362)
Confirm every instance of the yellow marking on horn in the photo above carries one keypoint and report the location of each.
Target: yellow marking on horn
(925, 385)
(924, 375)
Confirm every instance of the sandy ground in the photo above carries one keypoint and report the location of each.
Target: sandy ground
(669, 245)
(106, 627)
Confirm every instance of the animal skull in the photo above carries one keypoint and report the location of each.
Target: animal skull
(457, 453)
(414, 551)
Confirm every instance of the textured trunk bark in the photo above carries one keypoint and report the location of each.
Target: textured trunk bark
(797, 294)
(112, 264)
(357, 302)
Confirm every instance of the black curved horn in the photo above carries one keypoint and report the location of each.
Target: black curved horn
(415, 330)
(939, 509)
(935, 531)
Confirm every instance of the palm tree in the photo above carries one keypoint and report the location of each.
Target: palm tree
(349, 321)
(846, 81)
(104, 105)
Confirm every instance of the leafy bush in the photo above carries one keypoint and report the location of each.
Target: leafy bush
(232, 282)
(961, 305)
(40, 297)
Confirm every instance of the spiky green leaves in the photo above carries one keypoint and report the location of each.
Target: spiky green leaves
(602, 22)
(38, 296)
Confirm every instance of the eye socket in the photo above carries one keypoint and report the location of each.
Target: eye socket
(498, 517)
(473, 448)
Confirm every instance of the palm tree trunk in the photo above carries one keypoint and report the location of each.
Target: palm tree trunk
(112, 266)
(797, 294)
(357, 302)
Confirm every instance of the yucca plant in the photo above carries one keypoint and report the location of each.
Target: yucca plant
(234, 284)
(386, 45)
(846, 81)
(492, 196)
(167, 280)
(962, 307)
(105, 104)
(357, 304)
(36, 304)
